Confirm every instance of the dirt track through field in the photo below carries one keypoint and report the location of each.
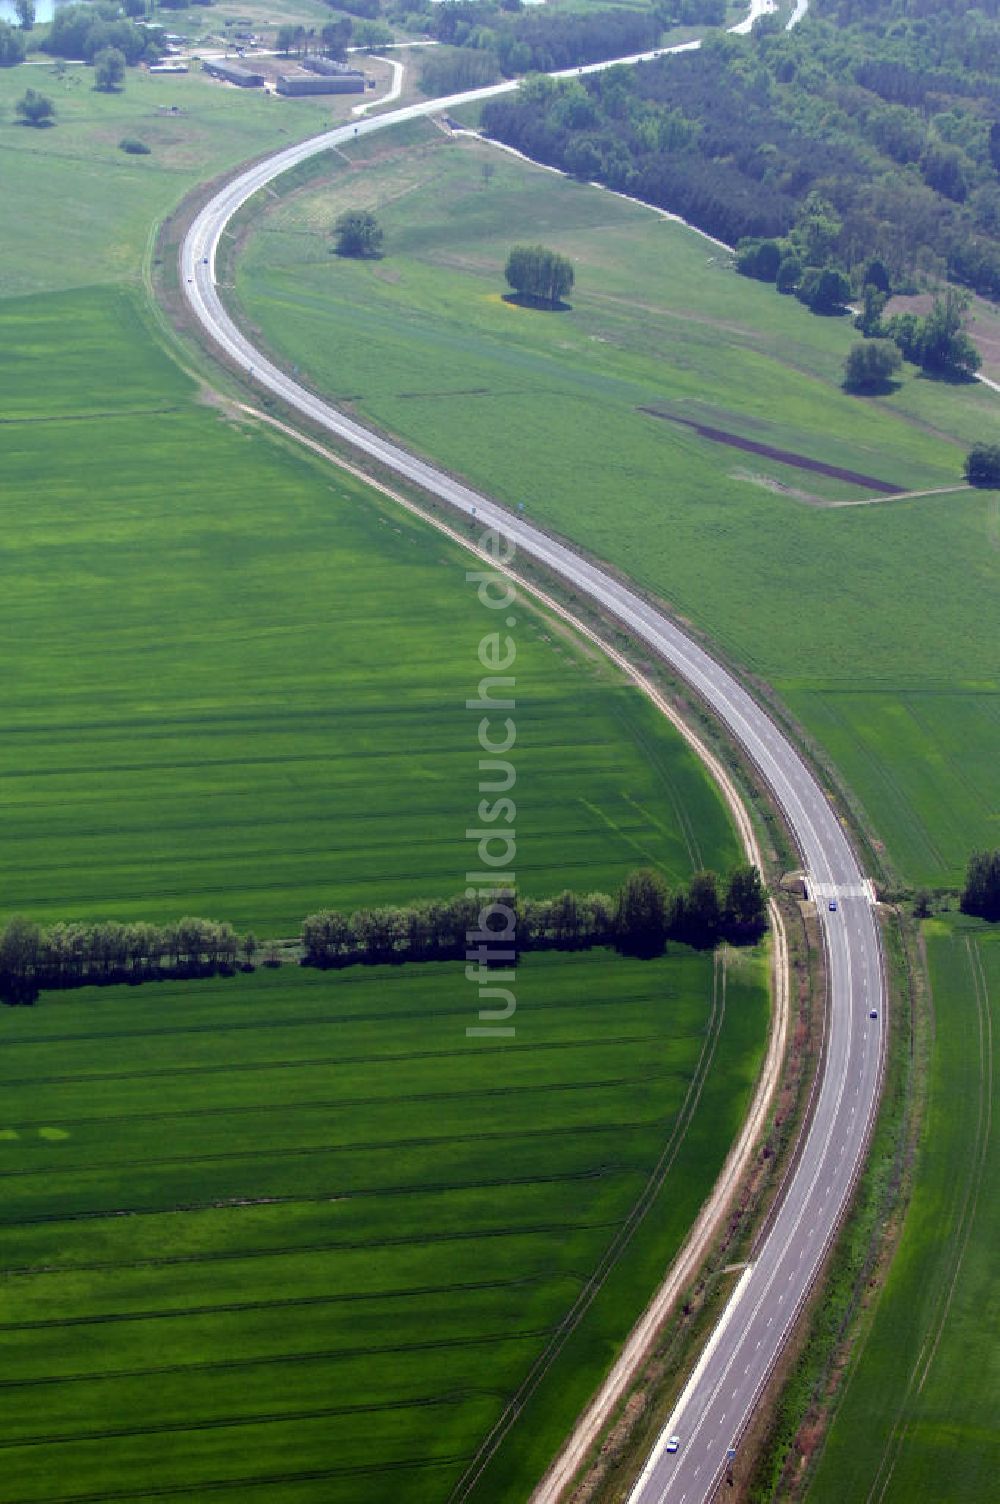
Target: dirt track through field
(785, 456)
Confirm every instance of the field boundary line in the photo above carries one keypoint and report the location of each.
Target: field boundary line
(696, 1246)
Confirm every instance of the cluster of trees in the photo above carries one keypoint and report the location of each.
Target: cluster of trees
(12, 45)
(937, 343)
(521, 40)
(738, 136)
(691, 12)
(539, 274)
(332, 40)
(77, 955)
(86, 30)
(982, 465)
(802, 262)
(639, 920)
(981, 895)
(358, 233)
(452, 70)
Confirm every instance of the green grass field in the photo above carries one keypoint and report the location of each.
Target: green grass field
(294, 1237)
(236, 684)
(79, 211)
(918, 1418)
(878, 625)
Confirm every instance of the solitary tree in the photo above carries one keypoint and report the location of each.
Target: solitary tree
(335, 36)
(870, 365)
(982, 886)
(642, 914)
(20, 947)
(24, 10)
(34, 108)
(982, 465)
(789, 274)
(869, 320)
(824, 289)
(358, 233)
(877, 275)
(697, 917)
(744, 908)
(109, 69)
(536, 273)
(759, 258)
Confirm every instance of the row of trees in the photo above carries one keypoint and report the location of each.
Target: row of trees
(76, 955)
(539, 274)
(332, 41)
(639, 920)
(981, 895)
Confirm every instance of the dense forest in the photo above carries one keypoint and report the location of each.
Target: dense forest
(872, 130)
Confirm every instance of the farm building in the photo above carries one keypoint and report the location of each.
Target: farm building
(232, 73)
(330, 68)
(313, 83)
(168, 67)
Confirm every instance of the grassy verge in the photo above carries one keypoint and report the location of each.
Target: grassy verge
(919, 1401)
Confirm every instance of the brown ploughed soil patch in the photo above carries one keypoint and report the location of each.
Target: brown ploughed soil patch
(784, 456)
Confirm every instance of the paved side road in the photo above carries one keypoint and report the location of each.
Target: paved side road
(715, 1409)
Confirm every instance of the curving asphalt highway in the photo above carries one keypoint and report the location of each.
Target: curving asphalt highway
(714, 1410)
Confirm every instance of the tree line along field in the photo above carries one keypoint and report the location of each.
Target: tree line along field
(237, 683)
(877, 624)
(918, 1417)
(291, 1236)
